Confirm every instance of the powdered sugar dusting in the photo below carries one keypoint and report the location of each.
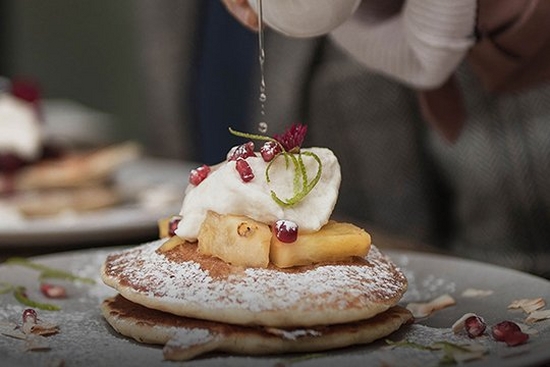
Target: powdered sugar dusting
(185, 338)
(258, 289)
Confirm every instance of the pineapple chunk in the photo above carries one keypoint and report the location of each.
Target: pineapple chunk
(335, 241)
(171, 243)
(237, 240)
(163, 226)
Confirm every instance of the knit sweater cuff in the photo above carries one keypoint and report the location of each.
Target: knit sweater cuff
(420, 46)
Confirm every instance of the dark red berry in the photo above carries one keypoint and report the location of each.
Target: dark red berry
(475, 326)
(27, 90)
(198, 175)
(244, 169)
(242, 151)
(30, 315)
(173, 225)
(269, 150)
(10, 162)
(286, 231)
(509, 332)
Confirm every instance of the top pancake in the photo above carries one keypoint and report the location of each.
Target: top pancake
(186, 283)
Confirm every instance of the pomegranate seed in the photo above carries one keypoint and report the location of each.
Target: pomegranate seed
(173, 225)
(241, 151)
(286, 231)
(31, 314)
(197, 175)
(269, 150)
(510, 333)
(244, 169)
(53, 291)
(475, 326)
(10, 162)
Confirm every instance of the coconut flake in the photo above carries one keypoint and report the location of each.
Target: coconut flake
(537, 316)
(420, 310)
(528, 305)
(476, 293)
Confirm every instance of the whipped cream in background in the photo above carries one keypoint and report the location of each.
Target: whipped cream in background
(20, 131)
(224, 192)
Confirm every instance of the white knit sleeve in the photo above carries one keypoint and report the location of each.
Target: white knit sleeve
(420, 46)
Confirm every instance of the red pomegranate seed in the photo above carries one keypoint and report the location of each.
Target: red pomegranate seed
(242, 151)
(244, 169)
(10, 162)
(31, 314)
(53, 291)
(286, 231)
(173, 225)
(269, 150)
(510, 333)
(475, 326)
(197, 175)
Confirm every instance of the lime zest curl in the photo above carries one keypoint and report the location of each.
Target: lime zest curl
(46, 272)
(302, 186)
(20, 294)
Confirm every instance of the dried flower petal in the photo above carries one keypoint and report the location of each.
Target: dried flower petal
(292, 139)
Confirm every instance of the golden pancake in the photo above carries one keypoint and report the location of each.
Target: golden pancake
(185, 338)
(51, 202)
(76, 169)
(185, 283)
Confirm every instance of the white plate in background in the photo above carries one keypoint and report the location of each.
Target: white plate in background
(162, 181)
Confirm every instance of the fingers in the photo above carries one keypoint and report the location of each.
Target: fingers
(241, 10)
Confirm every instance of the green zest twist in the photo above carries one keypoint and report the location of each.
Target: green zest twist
(46, 272)
(449, 349)
(20, 294)
(301, 184)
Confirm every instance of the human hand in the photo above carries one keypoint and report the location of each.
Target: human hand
(243, 12)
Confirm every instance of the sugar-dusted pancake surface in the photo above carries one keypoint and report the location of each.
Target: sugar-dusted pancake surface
(184, 282)
(185, 338)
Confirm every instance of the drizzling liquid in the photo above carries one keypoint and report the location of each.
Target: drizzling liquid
(262, 125)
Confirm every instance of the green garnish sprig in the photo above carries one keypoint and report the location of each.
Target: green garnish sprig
(450, 350)
(47, 272)
(302, 185)
(20, 292)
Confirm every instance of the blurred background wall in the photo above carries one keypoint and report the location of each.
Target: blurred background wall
(79, 50)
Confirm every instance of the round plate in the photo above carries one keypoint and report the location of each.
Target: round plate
(85, 339)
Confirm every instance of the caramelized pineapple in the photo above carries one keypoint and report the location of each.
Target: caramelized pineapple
(171, 243)
(237, 240)
(333, 242)
(163, 227)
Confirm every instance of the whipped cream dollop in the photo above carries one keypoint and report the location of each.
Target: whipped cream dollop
(20, 131)
(224, 192)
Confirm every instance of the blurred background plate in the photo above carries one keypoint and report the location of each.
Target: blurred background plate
(157, 183)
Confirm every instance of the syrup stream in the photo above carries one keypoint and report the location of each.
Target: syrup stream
(262, 125)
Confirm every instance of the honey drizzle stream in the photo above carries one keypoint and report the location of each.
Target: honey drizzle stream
(262, 125)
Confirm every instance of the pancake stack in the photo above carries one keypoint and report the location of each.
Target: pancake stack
(194, 304)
